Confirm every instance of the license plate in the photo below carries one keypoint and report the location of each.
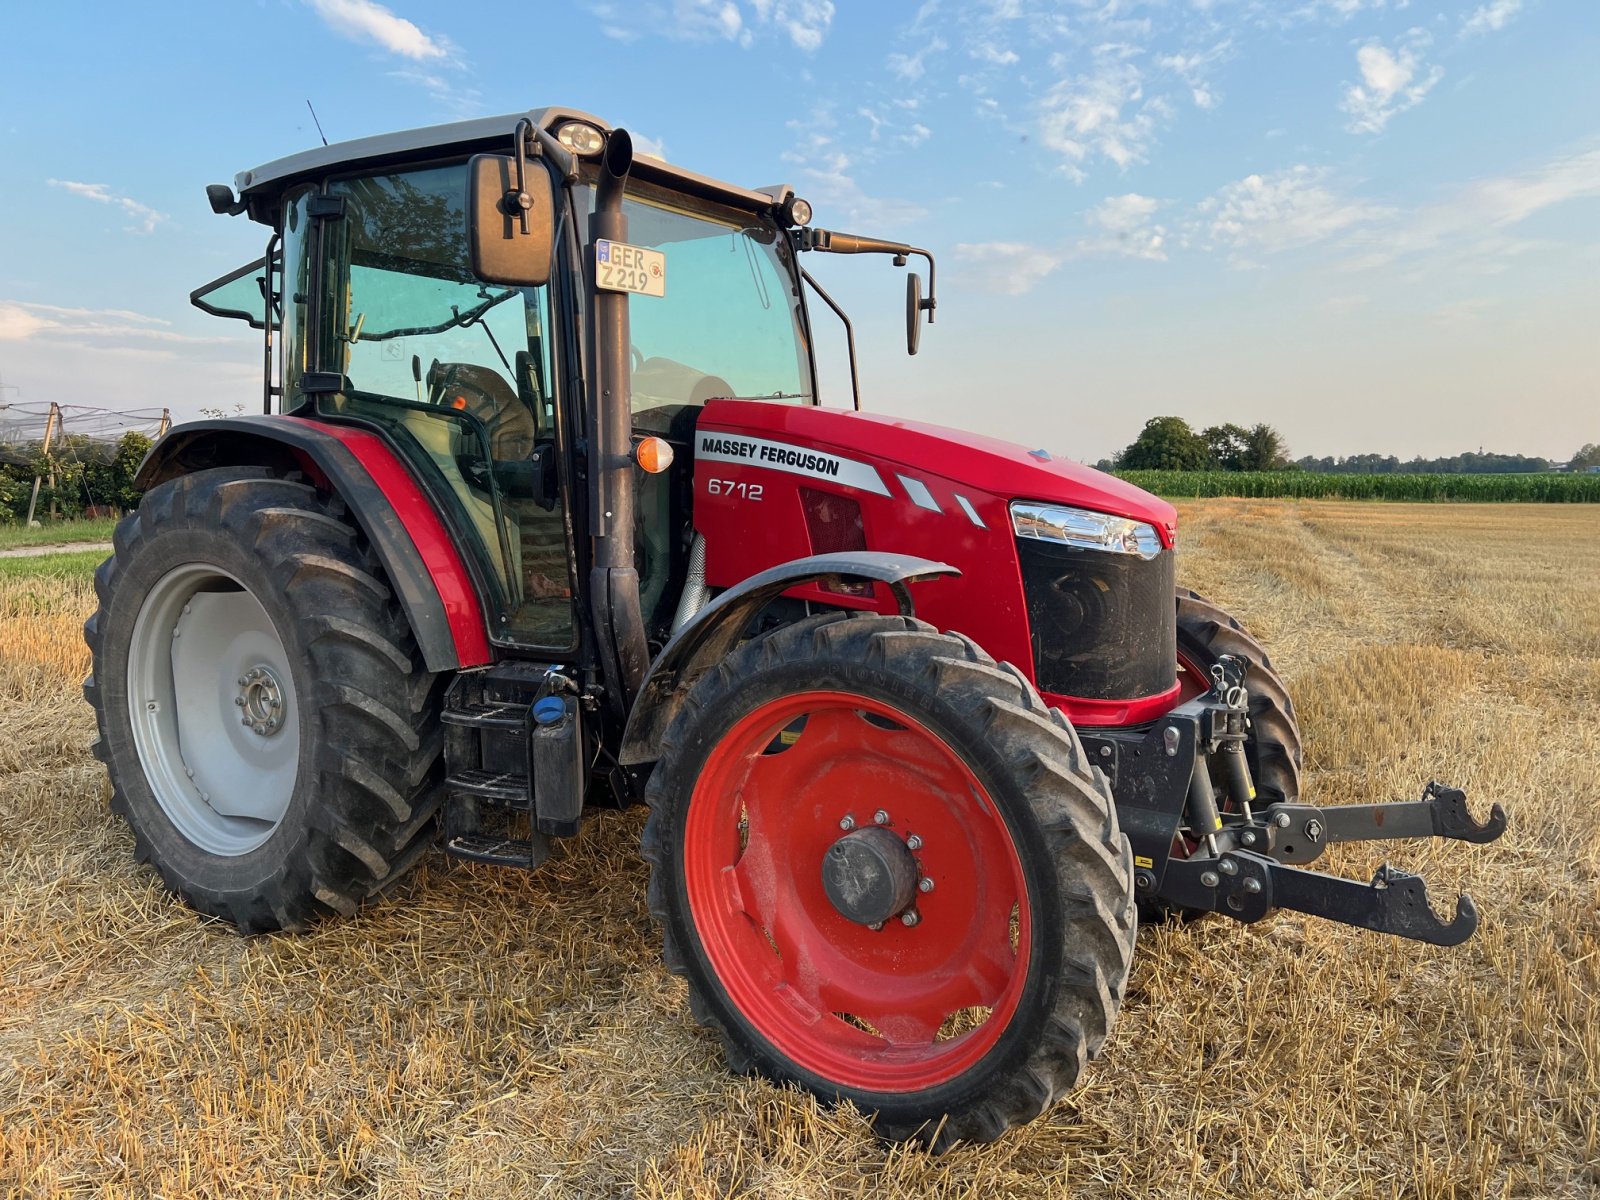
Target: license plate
(619, 267)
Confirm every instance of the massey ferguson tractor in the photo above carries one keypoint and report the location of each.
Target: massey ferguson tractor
(543, 514)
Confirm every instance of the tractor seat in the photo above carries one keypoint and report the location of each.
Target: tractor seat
(485, 393)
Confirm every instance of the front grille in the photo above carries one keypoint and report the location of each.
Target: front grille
(1104, 625)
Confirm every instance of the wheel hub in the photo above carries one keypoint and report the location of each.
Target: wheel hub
(869, 875)
(261, 700)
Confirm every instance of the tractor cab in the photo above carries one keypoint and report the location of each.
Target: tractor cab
(410, 301)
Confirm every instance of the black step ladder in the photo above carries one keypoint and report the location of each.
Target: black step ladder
(488, 721)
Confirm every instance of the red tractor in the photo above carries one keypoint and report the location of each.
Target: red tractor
(543, 514)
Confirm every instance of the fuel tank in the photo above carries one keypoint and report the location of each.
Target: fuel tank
(775, 482)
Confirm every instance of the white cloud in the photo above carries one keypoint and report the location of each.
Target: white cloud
(910, 67)
(1101, 114)
(1491, 17)
(805, 21)
(1474, 227)
(368, 21)
(1280, 212)
(144, 217)
(21, 320)
(1125, 226)
(988, 52)
(1005, 268)
(646, 145)
(1195, 69)
(1391, 82)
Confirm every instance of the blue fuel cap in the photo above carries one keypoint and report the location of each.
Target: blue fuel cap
(549, 710)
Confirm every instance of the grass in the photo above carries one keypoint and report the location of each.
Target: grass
(1542, 488)
(476, 1033)
(66, 565)
(56, 533)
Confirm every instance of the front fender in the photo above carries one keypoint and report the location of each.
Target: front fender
(423, 565)
(715, 629)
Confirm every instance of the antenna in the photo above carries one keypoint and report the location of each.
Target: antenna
(320, 134)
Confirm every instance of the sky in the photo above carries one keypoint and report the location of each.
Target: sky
(1373, 224)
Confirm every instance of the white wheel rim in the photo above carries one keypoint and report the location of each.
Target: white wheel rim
(212, 705)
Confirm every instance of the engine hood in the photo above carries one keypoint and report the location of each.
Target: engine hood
(1002, 469)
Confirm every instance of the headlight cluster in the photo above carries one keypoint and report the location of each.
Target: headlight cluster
(1084, 529)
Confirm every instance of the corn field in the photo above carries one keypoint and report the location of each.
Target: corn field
(1308, 485)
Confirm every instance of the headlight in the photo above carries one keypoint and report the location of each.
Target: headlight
(581, 138)
(1084, 529)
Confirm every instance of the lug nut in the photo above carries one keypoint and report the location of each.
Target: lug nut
(847, 822)
(245, 721)
(1281, 820)
(876, 925)
(1209, 878)
(925, 884)
(243, 679)
(910, 918)
(914, 842)
(239, 700)
(881, 816)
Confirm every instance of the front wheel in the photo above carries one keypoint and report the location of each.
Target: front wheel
(890, 876)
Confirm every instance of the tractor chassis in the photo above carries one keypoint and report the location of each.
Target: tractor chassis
(1232, 858)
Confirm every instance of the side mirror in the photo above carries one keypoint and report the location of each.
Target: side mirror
(914, 307)
(510, 230)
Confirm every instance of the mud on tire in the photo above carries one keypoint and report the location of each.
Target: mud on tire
(897, 693)
(366, 784)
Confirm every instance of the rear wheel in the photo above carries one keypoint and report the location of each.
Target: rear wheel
(269, 729)
(889, 876)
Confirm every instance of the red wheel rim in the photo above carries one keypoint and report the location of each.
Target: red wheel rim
(894, 1009)
(1192, 680)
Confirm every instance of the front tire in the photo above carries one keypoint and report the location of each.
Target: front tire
(971, 1000)
(269, 729)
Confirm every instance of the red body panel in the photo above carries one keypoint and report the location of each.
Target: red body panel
(427, 532)
(884, 465)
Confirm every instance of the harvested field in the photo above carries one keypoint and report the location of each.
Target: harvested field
(477, 1033)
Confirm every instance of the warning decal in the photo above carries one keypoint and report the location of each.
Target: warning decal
(797, 460)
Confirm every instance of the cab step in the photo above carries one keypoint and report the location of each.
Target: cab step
(523, 853)
(502, 789)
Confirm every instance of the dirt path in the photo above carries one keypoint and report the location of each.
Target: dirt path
(59, 548)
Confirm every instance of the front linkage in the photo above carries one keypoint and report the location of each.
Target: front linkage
(1200, 853)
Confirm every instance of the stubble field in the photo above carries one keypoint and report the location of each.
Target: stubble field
(477, 1033)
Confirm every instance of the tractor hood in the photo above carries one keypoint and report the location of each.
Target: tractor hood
(1001, 469)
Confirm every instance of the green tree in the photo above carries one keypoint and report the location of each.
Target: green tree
(1588, 456)
(130, 452)
(1166, 444)
(1227, 445)
(1264, 450)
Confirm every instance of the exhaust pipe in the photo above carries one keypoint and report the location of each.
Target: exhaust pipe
(694, 586)
(614, 579)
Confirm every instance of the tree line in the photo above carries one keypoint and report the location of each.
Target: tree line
(88, 473)
(1171, 444)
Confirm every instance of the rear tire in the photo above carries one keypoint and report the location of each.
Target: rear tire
(981, 1012)
(288, 765)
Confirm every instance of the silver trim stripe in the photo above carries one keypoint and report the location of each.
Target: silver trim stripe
(919, 493)
(972, 513)
(711, 446)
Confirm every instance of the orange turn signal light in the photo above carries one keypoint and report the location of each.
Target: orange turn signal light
(460, 402)
(653, 454)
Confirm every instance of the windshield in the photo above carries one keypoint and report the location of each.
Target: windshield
(730, 323)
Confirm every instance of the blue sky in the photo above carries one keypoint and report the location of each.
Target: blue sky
(1373, 223)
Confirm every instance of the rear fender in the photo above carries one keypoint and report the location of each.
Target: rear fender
(712, 634)
(423, 565)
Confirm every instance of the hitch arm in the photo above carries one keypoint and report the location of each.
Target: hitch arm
(1442, 812)
(1300, 832)
(1246, 886)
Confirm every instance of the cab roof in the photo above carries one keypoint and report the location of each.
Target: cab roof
(262, 187)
